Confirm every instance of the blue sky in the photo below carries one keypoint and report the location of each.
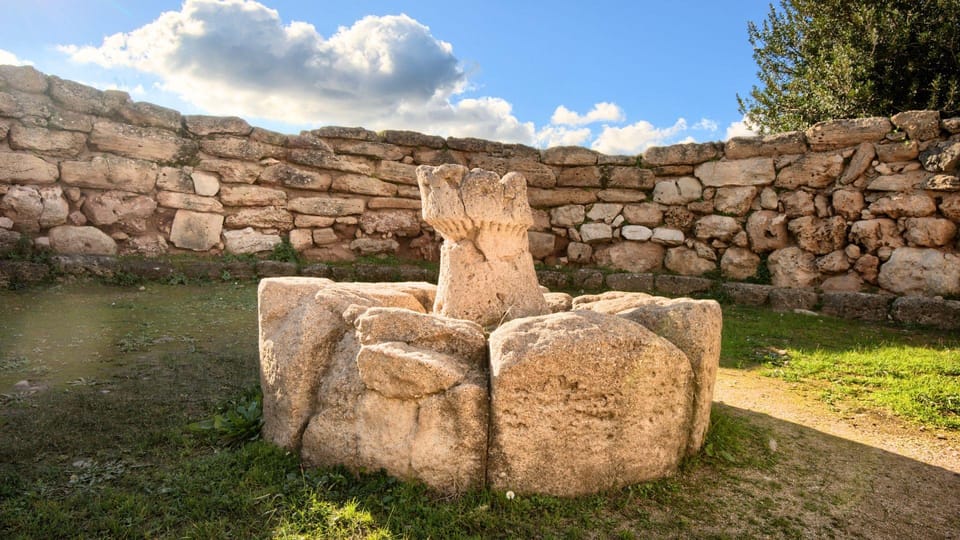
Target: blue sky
(615, 76)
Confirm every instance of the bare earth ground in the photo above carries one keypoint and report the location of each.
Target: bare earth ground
(849, 473)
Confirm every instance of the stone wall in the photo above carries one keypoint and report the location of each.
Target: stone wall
(870, 204)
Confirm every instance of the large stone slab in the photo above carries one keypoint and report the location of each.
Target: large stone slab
(927, 272)
(756, 171)
(71, 240)
(694, 326)
(197, 231)
(25, 168)
(583, 402)
(111, 172)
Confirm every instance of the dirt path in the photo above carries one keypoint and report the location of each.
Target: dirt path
(850, 473)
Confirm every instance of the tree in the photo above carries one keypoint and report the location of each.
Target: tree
(828, 59)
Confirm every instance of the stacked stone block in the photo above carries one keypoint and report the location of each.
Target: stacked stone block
(845, 206)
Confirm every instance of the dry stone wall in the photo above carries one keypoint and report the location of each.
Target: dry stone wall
(870, 204)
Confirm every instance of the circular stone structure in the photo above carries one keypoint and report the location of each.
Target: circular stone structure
(484, 379)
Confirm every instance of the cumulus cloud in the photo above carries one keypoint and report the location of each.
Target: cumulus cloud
(742, 128)
(237, 57)
(637, 137)
(706, 124)
(10, 59)
(562, 136)
(601, 112)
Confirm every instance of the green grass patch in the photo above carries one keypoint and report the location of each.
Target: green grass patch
(911, 372)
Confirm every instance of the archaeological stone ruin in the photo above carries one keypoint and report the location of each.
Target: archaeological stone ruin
(486, 379)
(858, 217)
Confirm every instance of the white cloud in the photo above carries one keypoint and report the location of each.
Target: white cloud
(637, 137)
(706, 124)
(601, 112)
(743, 128)
(236, 57)
(9, 59)
(561, 136)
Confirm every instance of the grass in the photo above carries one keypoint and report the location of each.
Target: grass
(129, 445)
(910, 372)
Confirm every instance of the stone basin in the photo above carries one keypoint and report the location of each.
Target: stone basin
(485, 378)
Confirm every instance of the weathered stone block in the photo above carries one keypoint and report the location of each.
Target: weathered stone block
(195, 230)
(757, 171)
(110, 172)
(856, 305)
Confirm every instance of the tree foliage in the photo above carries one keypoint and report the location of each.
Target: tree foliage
(828, 59)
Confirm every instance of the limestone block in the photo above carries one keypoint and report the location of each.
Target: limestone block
(568, 155)
(401, 371)
(833, 262)
(647, 214)
(679, 191)
(549, 198)
(304, 338)
(799, 203)
(24, 168)
(942, 157)
(769, 200)
(295, 177)
(735, 200)
(372, 246)
(542, 244)
(898, 182)
(941, 182)
(621, 195)
(667, 236)
(694, 326)
(267, 217)
(72, 240)
(176, 179)
(202, 125)
(793, 267)
(922, 271)
(195, 230)
(859, 163)
(630, 178)
(919, 125)
(722, 228)
(848, 203)
(790, 299)
(605, 212)
(842, 133)
(767, 231)
(537, 174)
(687, 262)
(850, 282)
(405, 223)
(128, 210)
(579, 177)
(111, 172)
(150, 115)
(23, 206)
(231, 170)
(486, 270)
(148, 245)
(867, 266)
(819, 236)
(596, 232)
(301, 239)
(756, 171)
(363, 185)
(186, 201)
(397, 172)
(874, 234)
(394, 202)
(249, 241)
(739, 263)
(241, 195)
(750, 294)
(460, 339)
(326, 206)
(916, 204)
(897, 152)
(680, 154)
(137, 142)
(569, 215)
(205, 184)
(929, 232)
(636, 232)
(86, 99)
(322, 237)
(628, 394)
(631, 256)
(936, 312)
(950, 206)
(241, 148)
(45, 141)
(814, 170)
(791, 142)
(23, 79)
